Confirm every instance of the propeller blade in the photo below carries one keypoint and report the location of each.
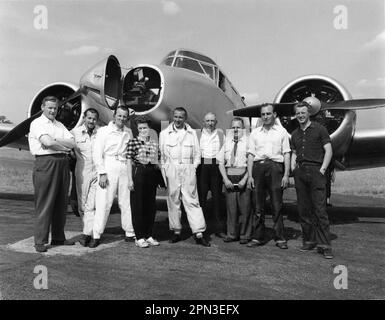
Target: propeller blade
(23, 128)
(19, 131)
(356, 104)
(282, 109)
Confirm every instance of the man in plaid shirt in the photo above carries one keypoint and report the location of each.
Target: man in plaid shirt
(143, 157)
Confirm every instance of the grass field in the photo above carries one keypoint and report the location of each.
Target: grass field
(16, 176)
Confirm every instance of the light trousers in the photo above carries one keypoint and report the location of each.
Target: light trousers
(182, 187)
(117, 184)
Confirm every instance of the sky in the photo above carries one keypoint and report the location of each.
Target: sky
(260, 45)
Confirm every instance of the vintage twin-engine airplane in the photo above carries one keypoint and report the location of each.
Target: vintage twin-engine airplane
(190, 79)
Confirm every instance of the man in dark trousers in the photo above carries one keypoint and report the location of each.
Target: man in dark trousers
(268, 169)
(50, 142)
(208, 175)
(312, 152)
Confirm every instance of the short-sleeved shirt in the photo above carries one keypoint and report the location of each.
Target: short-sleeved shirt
(143, 152)
(226, 155)
(269, 144)
(308, 144)
(43, 126)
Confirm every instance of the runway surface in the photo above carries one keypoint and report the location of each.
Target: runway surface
(119, 270)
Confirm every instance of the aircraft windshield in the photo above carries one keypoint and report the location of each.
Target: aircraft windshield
(192, 61)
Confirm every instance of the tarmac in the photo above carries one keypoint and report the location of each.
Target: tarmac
(120, 270)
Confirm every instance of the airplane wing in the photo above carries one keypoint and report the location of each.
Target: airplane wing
(19, 143)
(286, 109)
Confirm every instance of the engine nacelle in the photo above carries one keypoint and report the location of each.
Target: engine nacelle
(70, 116)
(339, 123)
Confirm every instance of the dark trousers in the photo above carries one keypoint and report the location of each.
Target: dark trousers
(143, 200)
(209, 178)
(51, 177)
(268, 178)
(310, 185)
(238, 206)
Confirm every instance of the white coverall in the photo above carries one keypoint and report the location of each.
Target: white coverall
(86, 176)
(180, 157)
(110, 158)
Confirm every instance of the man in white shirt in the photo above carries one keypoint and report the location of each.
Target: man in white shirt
(50, 142)
(85, 171)
(180, 157)
(110, 157)
(208, 175)
(232, 161)
(268, 169)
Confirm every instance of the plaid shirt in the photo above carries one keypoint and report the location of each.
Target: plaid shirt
(143, 152)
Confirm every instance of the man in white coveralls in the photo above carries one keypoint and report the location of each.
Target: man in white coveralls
(180, 154)
(85, 171)
(110, 157)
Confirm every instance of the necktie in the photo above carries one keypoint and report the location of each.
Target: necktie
(234, 152)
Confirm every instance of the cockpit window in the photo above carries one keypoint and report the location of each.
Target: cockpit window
(209, 70)
(197, 56)
(189, 64)
(168, 61)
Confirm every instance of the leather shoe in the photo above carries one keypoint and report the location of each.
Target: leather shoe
(202, 241)
(175, 238)
(308, 247)
(62, 243)
(254, 243)
(130, 239)
(94, 243)
(220, 235)
(244, 241)
(229, 239)
(328, 254)
(40, 248)
(282, 245)
(84, 240)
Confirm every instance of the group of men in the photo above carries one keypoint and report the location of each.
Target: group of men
(110, 162)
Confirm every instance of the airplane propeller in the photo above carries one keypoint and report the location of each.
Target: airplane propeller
(65, 110)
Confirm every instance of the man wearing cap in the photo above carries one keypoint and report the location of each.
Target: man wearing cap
(268, 169)
(110, 157)
(85, 171)
(180, 157)
(312, 152)
(50, 142)
(208, 175)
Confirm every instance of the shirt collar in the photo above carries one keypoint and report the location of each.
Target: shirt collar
(171, 128)
(274, 127)
(46, 120)
(112, 127)
(209, 133)
(84, 129)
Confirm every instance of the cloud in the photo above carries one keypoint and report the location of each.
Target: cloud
(251, 98)
(82, 51)
(377, 43)
(170, 8)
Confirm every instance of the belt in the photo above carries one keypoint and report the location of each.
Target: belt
(235, 171)
(265, 161)
(306, 163)
(55, 155)
(147, 165)
(208, 161)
